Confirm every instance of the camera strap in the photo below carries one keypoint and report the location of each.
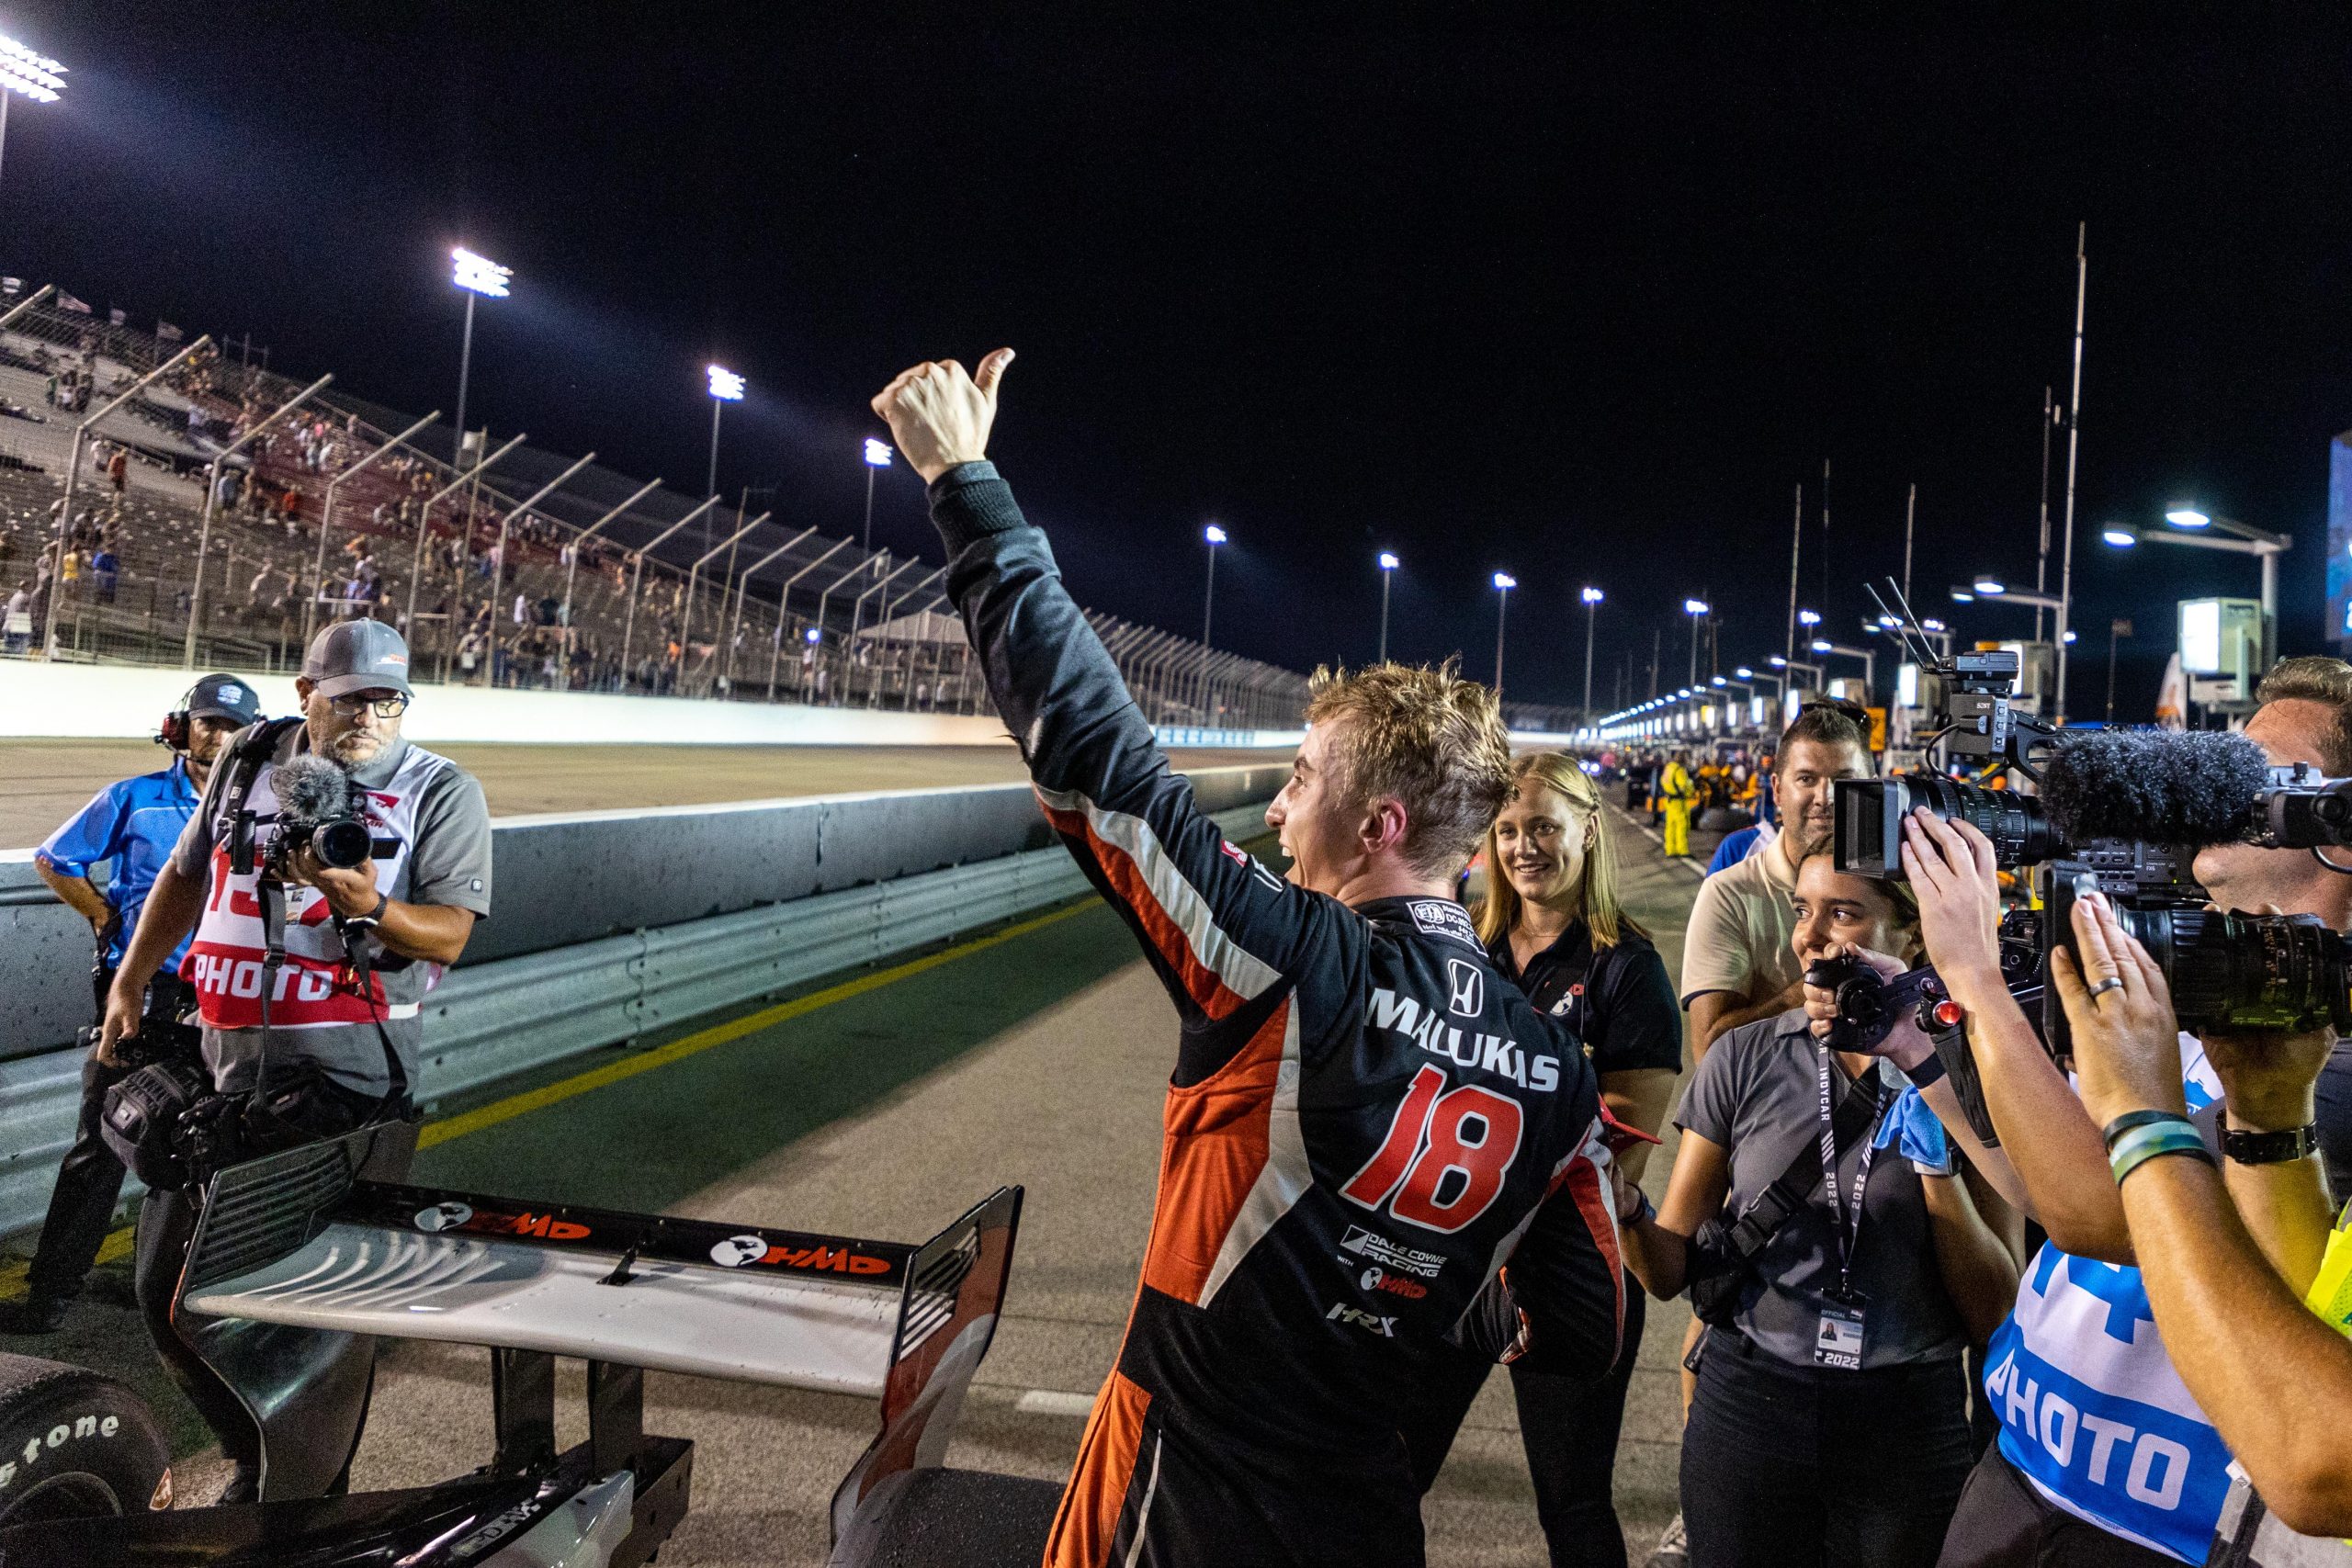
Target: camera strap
(1773, 1207)
(1848, 1237)
(272, 895)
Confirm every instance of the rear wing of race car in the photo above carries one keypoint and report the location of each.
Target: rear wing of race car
(297, 1252)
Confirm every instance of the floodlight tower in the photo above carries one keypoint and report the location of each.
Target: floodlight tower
(1592, 597)
(1389, 564)
(1213, 536)
(725, 387)
(480, 277)
(878, 456)
(1504, 583)
(27, 74)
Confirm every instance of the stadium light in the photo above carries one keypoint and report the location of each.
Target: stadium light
(25, 74)
(1962, 596)
(2187, 517)
(1991, 587)
(1592, 598)
(812, 634)
(1694, 607)
(725, 387)
(1214, 535)
(1745, 673)
(29, 75)
(2229, 535)
(877, 455)
(1808, 617)
(2121, 538)
(1933, 626)
(1504, 583)
(1822, 645)
(481, 279)
(1777, 662)
(480, 275)
(1389, 565)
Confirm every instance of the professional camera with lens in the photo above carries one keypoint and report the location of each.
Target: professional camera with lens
(2123, 813)
(316, 806)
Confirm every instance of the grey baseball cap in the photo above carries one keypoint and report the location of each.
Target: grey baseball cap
(357, 656)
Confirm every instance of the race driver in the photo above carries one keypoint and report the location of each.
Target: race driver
(1364, 1117)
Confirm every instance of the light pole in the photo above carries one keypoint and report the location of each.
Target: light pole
(1504, 583)
(480, 277)
(877, 455)
(1389, 564)
(2190, 527)
(1214, 537)
(24, 73)
(1697, 609)
(1592, 597)
(1869, 658)
(725, 387)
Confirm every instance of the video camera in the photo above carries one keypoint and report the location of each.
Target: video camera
(2122, 812)
(318, 806)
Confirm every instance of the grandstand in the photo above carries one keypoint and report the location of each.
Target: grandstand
(595, 585)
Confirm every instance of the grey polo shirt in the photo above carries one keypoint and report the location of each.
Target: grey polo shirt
(1756, 1095)
(449, 863)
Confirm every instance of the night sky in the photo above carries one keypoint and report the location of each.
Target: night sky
(1583, 307)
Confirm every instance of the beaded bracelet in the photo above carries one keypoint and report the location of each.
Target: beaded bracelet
(2135, 1146)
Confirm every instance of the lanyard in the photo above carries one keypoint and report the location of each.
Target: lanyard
(1848, 1239)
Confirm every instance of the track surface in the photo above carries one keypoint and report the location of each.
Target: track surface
(1038, 1056)
(44, 782)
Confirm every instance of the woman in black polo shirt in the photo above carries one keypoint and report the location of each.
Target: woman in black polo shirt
(1551, 924)
(1829, 1425)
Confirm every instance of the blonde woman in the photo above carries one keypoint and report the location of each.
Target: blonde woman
(1553, 926)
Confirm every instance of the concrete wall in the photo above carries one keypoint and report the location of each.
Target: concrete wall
(561, 880)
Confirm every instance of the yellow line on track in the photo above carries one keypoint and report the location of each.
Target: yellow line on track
(118, 1243)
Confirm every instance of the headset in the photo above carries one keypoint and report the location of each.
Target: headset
(175, 734)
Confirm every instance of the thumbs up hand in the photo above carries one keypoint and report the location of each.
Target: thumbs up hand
(940, 416)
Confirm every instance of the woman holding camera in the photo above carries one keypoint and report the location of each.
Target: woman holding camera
(1829, 1425)
(1551, 924)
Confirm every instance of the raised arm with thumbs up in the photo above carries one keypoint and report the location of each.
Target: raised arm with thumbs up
(939, 416)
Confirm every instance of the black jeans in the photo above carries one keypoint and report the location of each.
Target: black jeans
(1569, 1430)
(89, 1179)
(1809, 1467)
(2004, 1523)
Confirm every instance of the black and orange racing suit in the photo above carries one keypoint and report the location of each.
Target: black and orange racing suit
(1362, 1122)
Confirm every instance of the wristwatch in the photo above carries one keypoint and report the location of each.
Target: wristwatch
(2270, 1148)
(372, 916)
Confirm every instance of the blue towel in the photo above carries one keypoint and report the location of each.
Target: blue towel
(1921, 1134)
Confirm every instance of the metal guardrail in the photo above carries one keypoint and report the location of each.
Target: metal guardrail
(491, 1020)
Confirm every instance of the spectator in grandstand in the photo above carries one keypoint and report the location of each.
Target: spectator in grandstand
(2077, 1346)
(1829, 1422)
(119, 470)
(17, 627)
(1552, 926)
(363, 945)
(104, 566)
(130, 828)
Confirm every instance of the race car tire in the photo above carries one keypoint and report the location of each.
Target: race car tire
(75, 1445)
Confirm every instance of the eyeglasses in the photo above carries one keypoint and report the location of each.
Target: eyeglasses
(386, 707)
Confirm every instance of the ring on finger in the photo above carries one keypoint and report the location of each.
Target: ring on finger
(2113, 983)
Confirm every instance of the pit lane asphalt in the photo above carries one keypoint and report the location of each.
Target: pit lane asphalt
(1040, 1059)
(42, 782)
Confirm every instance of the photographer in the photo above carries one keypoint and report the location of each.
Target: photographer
(131, 826)
(1738, 964)
(360, 945)
(2274, 1374)
(2070, 1359)
(1829, 1425)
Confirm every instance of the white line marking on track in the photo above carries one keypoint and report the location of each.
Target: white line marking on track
(1054, 1401)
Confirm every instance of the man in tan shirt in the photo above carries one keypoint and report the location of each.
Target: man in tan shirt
(1738, 964)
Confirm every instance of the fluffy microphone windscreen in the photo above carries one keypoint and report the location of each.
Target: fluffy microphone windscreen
(311, 789)
(2166, 787)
